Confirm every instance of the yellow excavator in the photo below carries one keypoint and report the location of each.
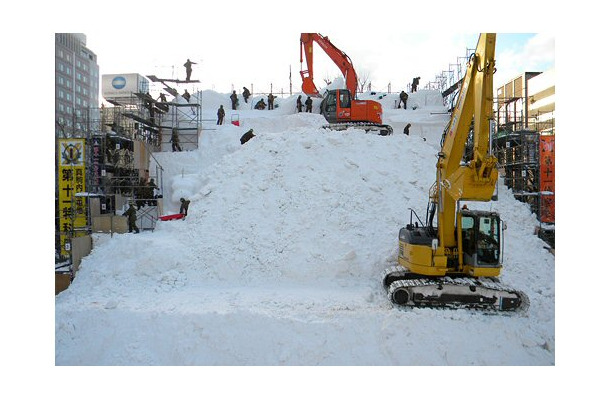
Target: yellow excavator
(456, 263)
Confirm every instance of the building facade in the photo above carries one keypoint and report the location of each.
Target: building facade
(77, 83)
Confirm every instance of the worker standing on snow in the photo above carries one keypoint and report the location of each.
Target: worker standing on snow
(131, 215)
(184, 207)
(270, 99)
(299, 104)
(234, 100)
(221, 115)
(414, 84)
(308, 104)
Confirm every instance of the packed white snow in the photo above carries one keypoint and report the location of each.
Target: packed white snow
(279, 261)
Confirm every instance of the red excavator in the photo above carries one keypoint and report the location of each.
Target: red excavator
(340, 106)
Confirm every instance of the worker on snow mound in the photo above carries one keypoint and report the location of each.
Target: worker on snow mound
(247, 136)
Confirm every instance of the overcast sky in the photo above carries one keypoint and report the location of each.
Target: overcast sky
(243, 43)
(243, 59)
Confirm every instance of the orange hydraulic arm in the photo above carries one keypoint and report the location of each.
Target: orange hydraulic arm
(339, 58)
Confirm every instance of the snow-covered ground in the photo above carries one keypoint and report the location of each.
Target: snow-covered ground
(280, 258)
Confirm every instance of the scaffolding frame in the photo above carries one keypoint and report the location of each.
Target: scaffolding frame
(110, 134)
(516, 144)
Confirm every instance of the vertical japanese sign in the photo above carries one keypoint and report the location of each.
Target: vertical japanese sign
(97, 161)
(547, 179)
(72, 209)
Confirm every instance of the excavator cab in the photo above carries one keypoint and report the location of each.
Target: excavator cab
(336, 106)
(481, 237)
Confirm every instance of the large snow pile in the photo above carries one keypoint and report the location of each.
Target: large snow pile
(280, 258)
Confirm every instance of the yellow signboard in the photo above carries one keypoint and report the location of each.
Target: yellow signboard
(72, 208)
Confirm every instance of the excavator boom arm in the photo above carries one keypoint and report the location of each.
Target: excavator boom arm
(477, 179)
(342, 60)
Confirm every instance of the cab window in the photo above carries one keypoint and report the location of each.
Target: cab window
(468, 234)
(344, 99)
(488, 240)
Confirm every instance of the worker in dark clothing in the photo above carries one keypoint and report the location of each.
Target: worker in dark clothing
(299, 104)
(221, 115)
(131, 215)
(247, 136)
(415, 84)
(150, 192)
(184, 207)
(234, 100)
(308, 104)
(163, 100)
(175, 140)
(149, 103)
(246, 94)
(189, 68)
(406, 131)
(140, 193)
(187, 96)
(260, 105)
(403, 99)
(270, 99)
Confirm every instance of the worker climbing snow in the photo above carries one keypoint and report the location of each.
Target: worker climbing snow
(246, 94)
(403, 99)
(247, 136)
